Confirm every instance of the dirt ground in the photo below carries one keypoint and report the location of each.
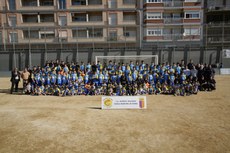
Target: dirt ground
(193, 124)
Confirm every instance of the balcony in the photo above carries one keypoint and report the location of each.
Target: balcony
(173, 4)
(129, 18)
(29, 3)
(192, 4)
(46, 3)
(29, 18)
(87, 18)
(128, 4)
(37, 36)
(36, 5)
(83, 4)
(219, 39)
(173, 20)
(172, 37)
(87, 34)
(37, 20)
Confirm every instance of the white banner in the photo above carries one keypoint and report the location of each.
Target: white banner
(224, 71)
(123, 102)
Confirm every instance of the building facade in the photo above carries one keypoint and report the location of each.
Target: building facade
(217, 27)
(33, 31)
(90, 23)
(173, 21)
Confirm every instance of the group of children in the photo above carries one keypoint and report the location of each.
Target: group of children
(63, 79)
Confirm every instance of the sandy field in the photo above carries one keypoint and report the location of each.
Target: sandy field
(45, 124)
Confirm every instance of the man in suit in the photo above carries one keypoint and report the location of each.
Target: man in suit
(15, 79)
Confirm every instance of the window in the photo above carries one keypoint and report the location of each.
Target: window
(78, 2)
(191, 0)
(13, 37)
(129, 32)
(62, 4)
(154, 32)
(153, 1)
(95, 2)
(129, 1)
(46, 17)
(154, 15)
(127, 16)
(46, 3)
(78, 17)
(29, 3)
(12, 21)
(97, 32)
(62, 34)
(46, 34)
(12, 5)
(32, 34)
(112, 19)
(191, 31)
(192, 15)
(62, 20)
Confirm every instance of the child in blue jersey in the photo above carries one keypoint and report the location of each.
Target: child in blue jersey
(137, 66)
(53, 79)
(166, 76)
(38, 79)
(48, 80)
(134, 75)
(131, 65)
(100, 79)
(172, 79)
(183, 77)
(82, 67)
(74, 75)
(106, 77)
(123, 67)
(88, 66)
(59, 79)
(86, 78)
(178, 69)
(80, 79)
(64, 79)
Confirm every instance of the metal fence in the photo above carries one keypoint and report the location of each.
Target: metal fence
(35, 46)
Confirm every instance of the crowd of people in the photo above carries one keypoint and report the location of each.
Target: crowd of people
(68, 79)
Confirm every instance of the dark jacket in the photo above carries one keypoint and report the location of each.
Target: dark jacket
(15, 76)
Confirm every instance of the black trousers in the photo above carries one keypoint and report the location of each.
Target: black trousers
(14, 84)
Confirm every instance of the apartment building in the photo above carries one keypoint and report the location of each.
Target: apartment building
(217, 18)
(170, 22)
(88, 23)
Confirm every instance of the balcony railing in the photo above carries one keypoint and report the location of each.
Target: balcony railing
(173, 20)
(173, 37)
(173, 4)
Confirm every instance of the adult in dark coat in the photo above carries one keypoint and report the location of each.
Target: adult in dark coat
(15, 79)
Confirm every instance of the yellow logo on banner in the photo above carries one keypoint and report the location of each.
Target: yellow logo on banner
(108, 102)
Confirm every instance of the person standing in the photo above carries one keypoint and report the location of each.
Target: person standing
(25, 76)
(15, 79)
